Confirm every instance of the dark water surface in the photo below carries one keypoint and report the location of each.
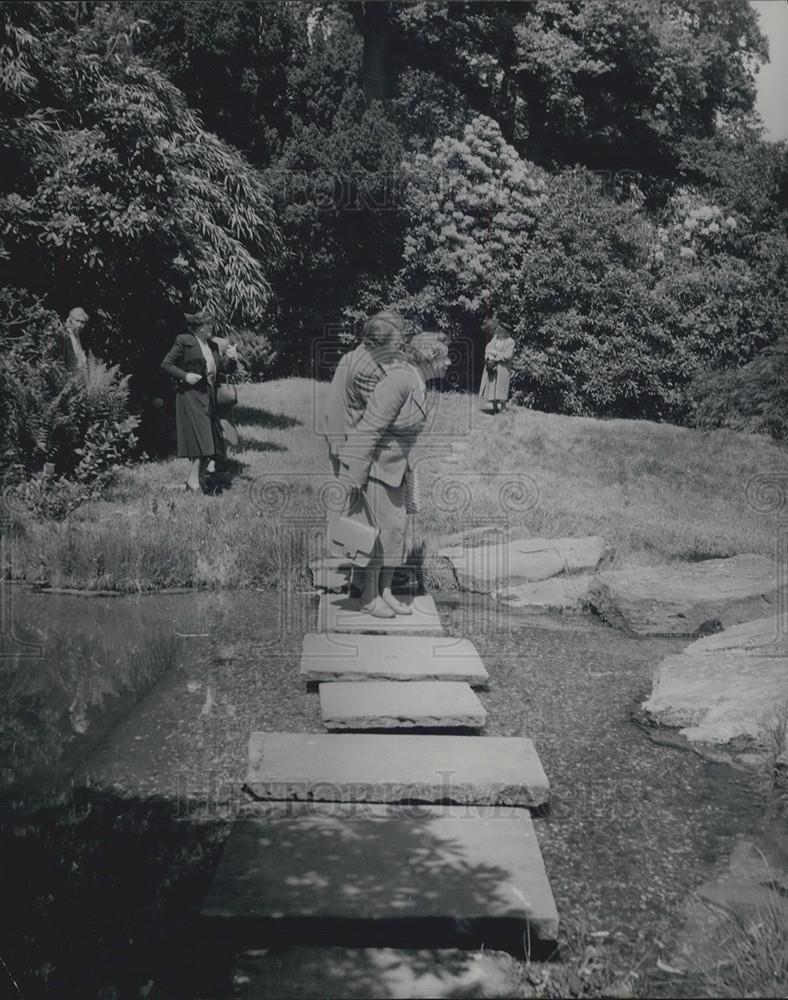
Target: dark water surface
(141, 707)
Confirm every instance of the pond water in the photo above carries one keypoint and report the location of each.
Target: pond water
(141, 708)
(71, 667)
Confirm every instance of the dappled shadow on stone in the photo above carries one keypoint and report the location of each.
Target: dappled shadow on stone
(300, 973)
(256, 416)
(376, 876)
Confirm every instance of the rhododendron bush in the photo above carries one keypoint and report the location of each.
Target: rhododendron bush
(472, 204)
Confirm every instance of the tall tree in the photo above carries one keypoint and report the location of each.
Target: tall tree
(119, 200)
(231, 60)
(620, 86)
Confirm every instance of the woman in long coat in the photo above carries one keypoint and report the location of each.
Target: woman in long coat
(196, 364)
(494, 389)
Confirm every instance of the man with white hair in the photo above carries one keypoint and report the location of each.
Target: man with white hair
(74, 353)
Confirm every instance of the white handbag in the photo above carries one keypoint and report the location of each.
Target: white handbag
(353, 536)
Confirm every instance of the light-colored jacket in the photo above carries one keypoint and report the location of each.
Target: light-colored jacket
(379, 446)
(495, 386)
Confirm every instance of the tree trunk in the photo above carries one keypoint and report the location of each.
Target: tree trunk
(373, 66)
(373, 21)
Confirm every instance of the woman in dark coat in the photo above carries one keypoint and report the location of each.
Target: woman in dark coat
(195, 362)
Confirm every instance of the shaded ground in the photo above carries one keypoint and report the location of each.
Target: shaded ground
(633, 826)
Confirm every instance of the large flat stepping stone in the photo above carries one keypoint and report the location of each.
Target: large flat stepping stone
(339, 613)
(347, 874)
(689, 598)
(392, 705)
(725, 687)
(344, 657)
(303, 973)
(500, 565)
(344, 767)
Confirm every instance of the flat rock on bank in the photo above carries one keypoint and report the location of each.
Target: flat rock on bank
(724, 687)
(686, 599)
(490, 567)
(559, 593)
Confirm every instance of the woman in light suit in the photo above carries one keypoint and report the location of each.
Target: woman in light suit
(375, 458)
(494, 389)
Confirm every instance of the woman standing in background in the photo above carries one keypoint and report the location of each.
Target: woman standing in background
(195, 363)
(494, 389)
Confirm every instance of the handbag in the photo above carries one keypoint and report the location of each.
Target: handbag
(352, 538)
(226, 395)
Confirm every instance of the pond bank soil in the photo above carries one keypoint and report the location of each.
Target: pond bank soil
(103, 899)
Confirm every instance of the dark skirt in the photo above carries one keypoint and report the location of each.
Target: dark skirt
(199, 430)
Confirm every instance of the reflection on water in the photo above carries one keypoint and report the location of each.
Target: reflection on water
(71, 666)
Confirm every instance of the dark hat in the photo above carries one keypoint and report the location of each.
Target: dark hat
(198, 318)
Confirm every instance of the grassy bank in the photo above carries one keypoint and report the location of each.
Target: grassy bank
(656, 492)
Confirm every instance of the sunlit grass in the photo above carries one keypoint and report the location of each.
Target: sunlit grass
(655, 492)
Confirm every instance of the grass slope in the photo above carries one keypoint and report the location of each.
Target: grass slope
(656, 492)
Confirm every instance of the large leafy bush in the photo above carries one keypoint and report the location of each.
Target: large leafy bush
(64, 434)
(117, 199)
(472, 204)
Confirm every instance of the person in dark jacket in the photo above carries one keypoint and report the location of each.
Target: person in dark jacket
(196, 364)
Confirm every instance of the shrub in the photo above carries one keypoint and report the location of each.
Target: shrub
(752, 398)
(473, 204)
(66, 432)
(590, 338)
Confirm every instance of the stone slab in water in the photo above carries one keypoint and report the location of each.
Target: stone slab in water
(725, 687)
(364, 767)
(332, 656)
(340, 613)
(303, 973)
(687, 598)
(498, 566)
(393, 705)
(299, 871)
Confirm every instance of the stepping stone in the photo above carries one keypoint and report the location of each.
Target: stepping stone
(345, 767)
(392, 705)
(379, 973)
(338, 613)
(332, 873)
(345, 657)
